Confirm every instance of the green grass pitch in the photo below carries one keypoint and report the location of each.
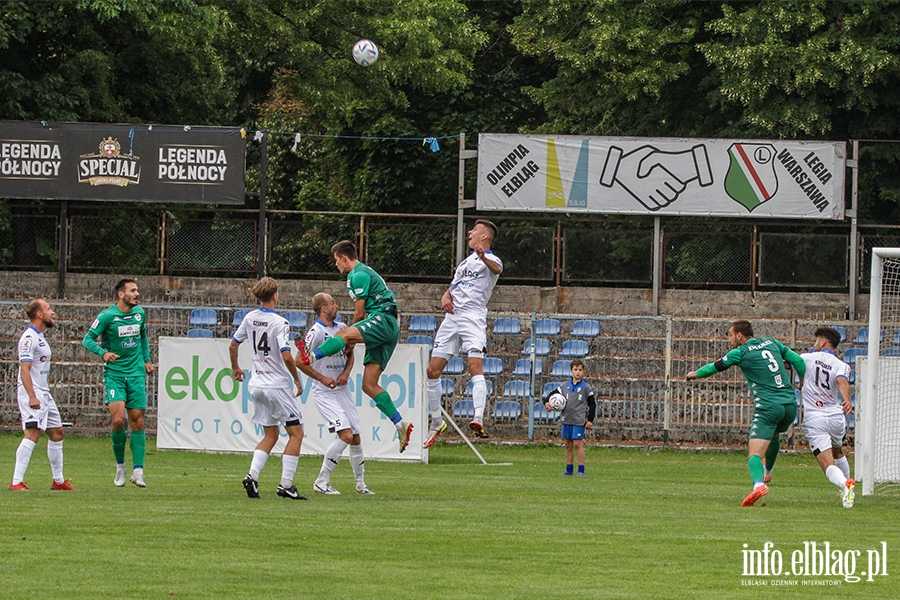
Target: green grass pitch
(643, 524)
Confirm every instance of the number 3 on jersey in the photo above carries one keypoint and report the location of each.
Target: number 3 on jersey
(773, 366)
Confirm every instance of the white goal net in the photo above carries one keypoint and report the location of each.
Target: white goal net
(878, 379)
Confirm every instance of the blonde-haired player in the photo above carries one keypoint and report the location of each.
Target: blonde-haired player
(273, 400)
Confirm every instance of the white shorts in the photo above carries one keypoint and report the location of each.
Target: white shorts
(338, 409)
(46, 417)
(275, 406)
(824, 432)
(457, 332)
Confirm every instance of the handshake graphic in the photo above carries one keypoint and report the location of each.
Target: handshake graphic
(653, 177)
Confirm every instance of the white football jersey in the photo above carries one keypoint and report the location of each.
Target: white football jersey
(268, 333)
(34, 348)
(473, 283)
(820, 391)
(329, 366)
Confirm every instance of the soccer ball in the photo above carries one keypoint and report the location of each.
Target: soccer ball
(556, 401)
(365, 52)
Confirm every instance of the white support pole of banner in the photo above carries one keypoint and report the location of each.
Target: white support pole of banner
(469, 443)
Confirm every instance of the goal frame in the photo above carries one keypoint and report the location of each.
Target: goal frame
(867, 403)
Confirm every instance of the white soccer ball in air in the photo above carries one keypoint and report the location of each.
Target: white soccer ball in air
(365, 52)
(556, 401)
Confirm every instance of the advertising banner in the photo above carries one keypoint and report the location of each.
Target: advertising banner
(201, 407)
(661, 176)
(141, 163)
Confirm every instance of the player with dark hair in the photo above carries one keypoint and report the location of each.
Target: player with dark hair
(36, 406)
(826, 399)
(464, 327)
(125, 350)
(274, 401)
(761, 360)
(374, 324)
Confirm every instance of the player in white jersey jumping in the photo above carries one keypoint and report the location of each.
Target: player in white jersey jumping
(464, 327)
(274, 401)
(36, 405)
(333, 398)
(826, 399)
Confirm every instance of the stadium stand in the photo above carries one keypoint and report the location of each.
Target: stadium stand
(541, 347)
(447, 386)
(425, 340)
(238, 317)
(586, 328)
(203, 317)
(575, 349)
(493, 366)
(463, 409)
(523, 368)
(561, 368)
(297, 320)
(507, 409)
(516, 388)
(455, 366)
(542, 414)
(548, 327)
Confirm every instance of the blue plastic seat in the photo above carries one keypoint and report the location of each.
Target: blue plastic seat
(547, 327)
(851, 418)
(493, 366)
(297, 320)
(843, 331)
(575, 348)
(490, 388)
(238, 317)
(507, 409)
(455, 366)
(523, 367)
(425, 340)
(850, 355)
(550, 386)
(586, 328)
(203, 317)
(507, 326)
(561, 368)
(200, 333)
(517, 388)
(542, 414)
(541, 347)
(862, 337)
(463, 409)
(892, 351)
(422, 324)
(446, 387)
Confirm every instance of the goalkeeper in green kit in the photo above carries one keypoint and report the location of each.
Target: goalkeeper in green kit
(125, 350)
(775, 405)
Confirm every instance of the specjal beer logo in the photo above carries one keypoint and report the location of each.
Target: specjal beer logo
(109, 166)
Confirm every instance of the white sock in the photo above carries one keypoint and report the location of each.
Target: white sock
(55, 454)
(434, 403)
(358, 464)
(479, 396)
(257, 463)
(331, 459)
(835, 476)
(288, 469)
(23, 457)
(842, 464)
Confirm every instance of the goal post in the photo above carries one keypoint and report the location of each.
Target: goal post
(878, 398)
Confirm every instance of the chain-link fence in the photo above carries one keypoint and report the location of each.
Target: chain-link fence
(536, 250)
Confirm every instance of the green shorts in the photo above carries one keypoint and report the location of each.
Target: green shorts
(130, 389)
(381, 333)
(771, 419)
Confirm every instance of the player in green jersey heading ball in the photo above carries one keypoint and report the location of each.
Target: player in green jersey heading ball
(125, 350)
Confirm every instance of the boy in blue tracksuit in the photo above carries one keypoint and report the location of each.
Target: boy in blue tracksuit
(577, 416)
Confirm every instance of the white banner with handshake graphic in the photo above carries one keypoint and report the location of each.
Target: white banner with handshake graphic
(665, 176)
(202, 407)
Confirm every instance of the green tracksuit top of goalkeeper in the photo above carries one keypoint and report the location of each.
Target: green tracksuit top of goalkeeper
(124, 334)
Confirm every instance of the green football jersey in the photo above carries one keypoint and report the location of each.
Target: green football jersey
(363, 283)
(762, 362)
(124, 334)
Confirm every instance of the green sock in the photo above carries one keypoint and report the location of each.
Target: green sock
(772, 451)
(384, 403)
(332, 346)
(755, 464)
(138, 448)
(118, 442)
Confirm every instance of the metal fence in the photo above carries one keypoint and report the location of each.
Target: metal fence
(139, 239)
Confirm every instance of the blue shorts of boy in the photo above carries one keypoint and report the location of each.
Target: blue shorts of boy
(573, 432)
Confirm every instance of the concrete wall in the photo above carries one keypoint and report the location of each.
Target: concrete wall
(423, 297)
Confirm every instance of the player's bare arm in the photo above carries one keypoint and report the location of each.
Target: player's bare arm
(359, 311)
(344, 377)
(494, 267)
(288, 359)
(148, 367)
(447, 303)
(110, 357)
(844, 390)
(691, 376)
(236, 371)
(313, 374)
(28, 384)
